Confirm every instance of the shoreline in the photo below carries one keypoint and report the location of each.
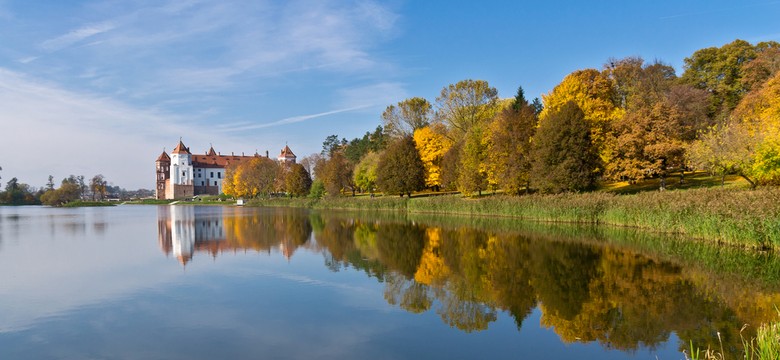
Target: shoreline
(748, 219)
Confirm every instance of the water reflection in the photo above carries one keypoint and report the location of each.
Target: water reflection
(585, 289)
(183, 231)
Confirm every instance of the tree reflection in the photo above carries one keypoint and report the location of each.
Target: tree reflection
(587, 291)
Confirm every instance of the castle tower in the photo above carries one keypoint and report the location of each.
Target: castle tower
(181, 165)
(163, 164)
(181, 174)
(286, 156)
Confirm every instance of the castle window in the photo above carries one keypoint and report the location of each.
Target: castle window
(215, 183)
(219, 175)
(212, 174)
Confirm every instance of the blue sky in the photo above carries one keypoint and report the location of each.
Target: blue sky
(90, 87)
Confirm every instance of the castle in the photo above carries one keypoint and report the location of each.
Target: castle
(183, 174)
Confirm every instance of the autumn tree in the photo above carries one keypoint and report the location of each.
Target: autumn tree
(98, 185)
(465, 104)
(659, 120)
(593, 92)
(400, 169)
(432, 145)
(298, 181)
(509, 154)
(564, 155)
(450, 166)
(251, 178)
(725, 149)
(336, 174)
(749, 144)
(473, 171)
(407, 116)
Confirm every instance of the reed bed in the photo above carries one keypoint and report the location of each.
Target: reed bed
(738, 217)
(731, 216)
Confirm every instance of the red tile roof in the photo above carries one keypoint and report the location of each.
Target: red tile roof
(164, 157)
(217, 161)
(286, 152)
(181, 149)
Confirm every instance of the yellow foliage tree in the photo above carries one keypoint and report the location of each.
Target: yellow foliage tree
(432, 145)
(594, 93)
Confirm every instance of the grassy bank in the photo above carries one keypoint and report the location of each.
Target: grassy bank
(724, 215)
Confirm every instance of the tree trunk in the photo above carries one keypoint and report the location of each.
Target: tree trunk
(723, 179)
(663, 184)
(682, 176)
(752, 184)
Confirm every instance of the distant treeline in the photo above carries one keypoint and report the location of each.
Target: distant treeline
(71, 188)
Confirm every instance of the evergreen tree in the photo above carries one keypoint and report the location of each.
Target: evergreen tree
(510, 133)
(564, 156)
(400, 169)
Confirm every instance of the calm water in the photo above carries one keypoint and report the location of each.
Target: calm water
(184, 282)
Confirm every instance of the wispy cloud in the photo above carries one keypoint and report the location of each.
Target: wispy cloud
(290, 120)
(75, 36)
(171, 68)
(60, 132)
(379, 94)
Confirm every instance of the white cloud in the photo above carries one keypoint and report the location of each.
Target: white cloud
(290, 120)
(75, 36)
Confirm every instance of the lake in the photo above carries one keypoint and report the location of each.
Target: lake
(208, 282)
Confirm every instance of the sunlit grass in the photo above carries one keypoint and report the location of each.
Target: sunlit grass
(766, 344)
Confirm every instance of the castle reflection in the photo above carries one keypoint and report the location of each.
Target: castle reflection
(184, 231)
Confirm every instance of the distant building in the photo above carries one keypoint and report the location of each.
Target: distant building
(183, 174)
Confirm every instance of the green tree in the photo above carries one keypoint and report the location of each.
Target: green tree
(564, 156)
(400, 169)
(365, 172)
(407, 116)
(332, 144)
(370, 142)
(69, 190)
(720, 71)
(317, 190)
